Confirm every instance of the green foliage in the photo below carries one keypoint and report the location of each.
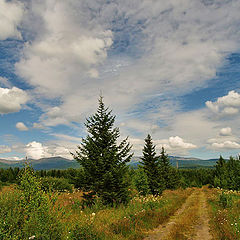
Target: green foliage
(28, 211)
(84, 232)
(9, 175)
(225, 200)
(227, 174)
(103, 161)
(140, 180)
(56, 184)
(196, 177)
(150, 164)
(169, 176)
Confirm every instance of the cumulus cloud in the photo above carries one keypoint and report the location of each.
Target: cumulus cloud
(226, 105)
(37, 150)
(11, 14)
(226, 131)
(12, 99)
(226, 145)
(177, 142)
(77, 46)
(173, 145)
(21, 126)
(5, 149)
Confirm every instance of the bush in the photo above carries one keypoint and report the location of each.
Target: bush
(225, 200)
(28, 211)
(141, 182)
(56, 184)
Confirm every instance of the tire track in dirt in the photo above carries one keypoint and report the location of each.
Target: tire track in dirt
(189, 222)
(202, 229)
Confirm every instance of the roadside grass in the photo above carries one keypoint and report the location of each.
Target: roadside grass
(130, 221)
(125, 222)
(224, 214)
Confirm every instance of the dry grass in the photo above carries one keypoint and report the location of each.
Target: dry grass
(184, 224)
(124, 222)
(130, 221)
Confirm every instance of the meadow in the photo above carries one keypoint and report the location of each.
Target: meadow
(30, 213)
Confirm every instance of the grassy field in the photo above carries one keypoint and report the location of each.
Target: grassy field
(178, 214)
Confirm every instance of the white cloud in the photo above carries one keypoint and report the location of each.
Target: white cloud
(226, 145)
(77, 45)
(5, 149)
(177, 142)
(173, 145)
(12, 99)
(13, 158)
(67, 137)
(226, 131)
(38, 126)
(21, 126)
(226, 105)
(11, 14)
(37, 150)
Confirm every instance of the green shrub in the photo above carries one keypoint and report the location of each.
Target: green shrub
(225, 200)
(56, 184)
(28, 211)
(141, 182)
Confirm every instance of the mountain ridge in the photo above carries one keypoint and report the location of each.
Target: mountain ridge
(64, 163)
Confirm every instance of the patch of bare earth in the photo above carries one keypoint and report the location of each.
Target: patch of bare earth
(189, 222)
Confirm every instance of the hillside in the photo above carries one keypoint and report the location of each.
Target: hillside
(42, 164)
(63, 163)
(183, 162)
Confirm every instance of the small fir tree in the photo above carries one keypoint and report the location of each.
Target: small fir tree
(150, 164)
(103, 161)
(170, 178)
(221, 177)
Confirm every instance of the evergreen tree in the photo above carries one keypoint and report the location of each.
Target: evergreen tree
(221, 177)
(169, 176)
(103, 161)
(150, 164)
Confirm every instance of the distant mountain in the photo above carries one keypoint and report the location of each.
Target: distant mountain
(182, 162)
(63, 163)
(42, 164)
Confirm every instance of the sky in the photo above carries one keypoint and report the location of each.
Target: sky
(166, 68)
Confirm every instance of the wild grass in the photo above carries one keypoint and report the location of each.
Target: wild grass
(130, 221)
(225, 214)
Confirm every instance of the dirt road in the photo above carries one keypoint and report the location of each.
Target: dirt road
(189, 222)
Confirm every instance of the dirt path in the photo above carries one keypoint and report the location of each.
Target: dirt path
(189, 222)
(202, 228)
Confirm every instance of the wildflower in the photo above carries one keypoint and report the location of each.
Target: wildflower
(93, 214)
(32, 237)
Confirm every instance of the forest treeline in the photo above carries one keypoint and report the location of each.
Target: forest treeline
(103, 171)
(226, 175)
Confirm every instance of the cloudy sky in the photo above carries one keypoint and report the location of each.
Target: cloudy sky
(168, 68)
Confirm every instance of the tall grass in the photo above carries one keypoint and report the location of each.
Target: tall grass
(225, 214)
(64, 217)
(130, 221)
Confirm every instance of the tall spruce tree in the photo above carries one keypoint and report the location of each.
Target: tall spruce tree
(150, 164)
(103, 161)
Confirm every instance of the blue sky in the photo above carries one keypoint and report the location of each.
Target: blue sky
(168, 68)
